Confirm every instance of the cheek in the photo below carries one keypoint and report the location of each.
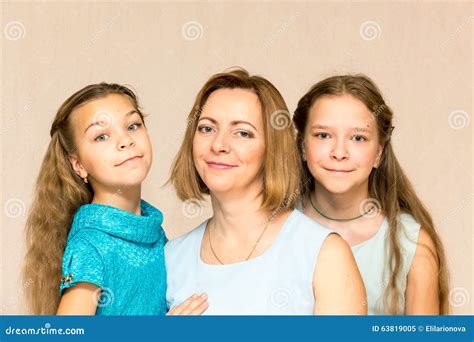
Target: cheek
(93, 162)
(250, 154)
(316, 151)
(364, 158)
(198, 147)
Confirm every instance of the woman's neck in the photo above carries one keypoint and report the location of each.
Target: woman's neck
(238, 217)
(125, 198)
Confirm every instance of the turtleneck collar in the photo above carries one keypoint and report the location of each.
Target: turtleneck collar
(144, 228)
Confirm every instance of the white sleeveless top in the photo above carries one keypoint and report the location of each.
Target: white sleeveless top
(277, 282)
(372, 258)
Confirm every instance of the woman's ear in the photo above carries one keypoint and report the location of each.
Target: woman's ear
(77, 166)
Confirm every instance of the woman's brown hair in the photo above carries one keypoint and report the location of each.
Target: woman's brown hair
(281, 167)
(388, 183)
(59, 192)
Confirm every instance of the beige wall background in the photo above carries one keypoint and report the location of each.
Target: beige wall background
(420, 54)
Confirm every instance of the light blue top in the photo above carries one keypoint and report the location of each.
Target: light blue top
(277, 282)
(372, 257)
(123, 254)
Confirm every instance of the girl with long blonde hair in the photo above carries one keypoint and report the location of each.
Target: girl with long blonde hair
(352, 183)
(93, 245)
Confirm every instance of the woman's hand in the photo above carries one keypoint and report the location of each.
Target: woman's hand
(193, 306)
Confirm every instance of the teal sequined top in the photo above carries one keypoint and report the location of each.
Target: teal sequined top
(123, 254)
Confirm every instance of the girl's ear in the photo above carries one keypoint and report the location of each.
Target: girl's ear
(379, 156)
(77, 166)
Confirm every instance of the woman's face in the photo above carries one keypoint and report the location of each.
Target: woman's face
(113, 146)
(341, 144)
(229, 142)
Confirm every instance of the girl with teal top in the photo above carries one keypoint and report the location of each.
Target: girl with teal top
(111, 260)
(353, 184)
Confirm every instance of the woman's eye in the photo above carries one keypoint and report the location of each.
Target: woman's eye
(245, 134)
(101, 137)
(134, 127)
(205, 129)
(359, 138)
(322, 135)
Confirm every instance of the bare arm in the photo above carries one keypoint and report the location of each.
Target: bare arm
(79, 300)
(421, 296)
(337, 284)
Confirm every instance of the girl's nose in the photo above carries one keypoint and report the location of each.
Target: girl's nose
(339, 151)
(126, 142)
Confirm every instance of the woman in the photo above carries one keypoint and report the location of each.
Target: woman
(354, 184)
(256, 255)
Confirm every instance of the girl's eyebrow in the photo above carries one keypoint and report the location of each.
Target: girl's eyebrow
(357, 129)
(232, 123)
(320, 126)
(96, 123)
(361, 129)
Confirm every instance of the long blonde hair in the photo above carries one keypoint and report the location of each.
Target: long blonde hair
(59, 193)
(388, 183)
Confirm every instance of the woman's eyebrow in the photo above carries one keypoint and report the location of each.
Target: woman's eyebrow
(96, 123)
(233, 123)
(242, 122)
(207, 118)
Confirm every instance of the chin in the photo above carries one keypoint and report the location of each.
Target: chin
(133, 178)
(336, 187)
(218, 187)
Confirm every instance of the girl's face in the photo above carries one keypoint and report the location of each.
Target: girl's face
(229, 143)
(341, 143)
(113, 147)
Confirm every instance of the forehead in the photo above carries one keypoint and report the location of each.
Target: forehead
(113, 104)
(233, 104)
(341, 111)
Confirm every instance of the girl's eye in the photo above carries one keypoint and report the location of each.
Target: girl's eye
(322, 135)
(101, 137)
(359, 138)
(245, 134)
(134, 127)
(204, 129)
